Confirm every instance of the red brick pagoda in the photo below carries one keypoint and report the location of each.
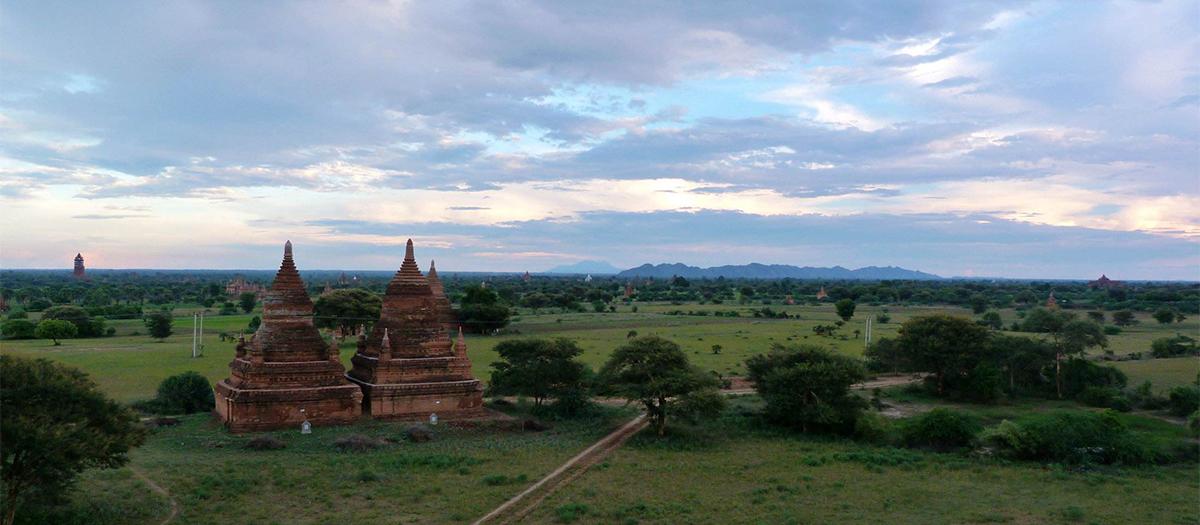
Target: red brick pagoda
(408, 367)
(286, 373)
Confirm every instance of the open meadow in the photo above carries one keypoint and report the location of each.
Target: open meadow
(128, 367)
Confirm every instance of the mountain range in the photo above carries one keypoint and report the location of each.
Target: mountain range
(590, 267)
(775, 271)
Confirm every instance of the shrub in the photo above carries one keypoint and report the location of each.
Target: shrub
(1193, 423)
(1073, 437)
(76, 316)
(1079, 374)
(185, 393)
(1104, 397)
(873, 428)
(264, 443)
(939, 429)
(357, 443)
(1144, 397)
(570, 512)
(18, 329)
(1111, 330)
(418, 433)
(1173, 346)
(1184, 400)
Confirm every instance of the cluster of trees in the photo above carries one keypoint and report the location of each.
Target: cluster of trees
(967, 361)
(651, 371)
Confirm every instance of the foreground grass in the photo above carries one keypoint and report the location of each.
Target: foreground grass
(457, 477)
(733, 471)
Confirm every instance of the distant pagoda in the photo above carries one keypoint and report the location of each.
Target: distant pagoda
(1051, 302)
(1105, 282)
(286, 373)
(80, 272)
(408, 367)
(821, 294)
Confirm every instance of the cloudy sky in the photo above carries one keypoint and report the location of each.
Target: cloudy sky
(959, 137)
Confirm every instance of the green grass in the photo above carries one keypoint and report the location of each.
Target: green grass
(460, 475)
(1163, 374)
(732, 471)
(129, 367)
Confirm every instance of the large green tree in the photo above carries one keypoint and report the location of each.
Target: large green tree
(808, 387)
(247, 300)
(346, 309)
(539, 368)
(54, 329)
(481, 310)
(159, 324)
(54, 424)
(1070, 337)
(943, 345)
(845, 309)
(656, 373)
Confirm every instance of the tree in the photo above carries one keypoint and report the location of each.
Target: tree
(346, 309)
(992, 320)
(54, 425)
(845, 309)
(481, 310)
(184, 393)
(54, 329)
(939, 344)
(1096, 316)
(716, 349)
(159, 324)
(1069, 336)
(808, 387)
(247, 301)
(1021, 358)
(1164, 315)
(979, 303)
(539, 368)
(84, 325)
(1124, 318)
(655, 372)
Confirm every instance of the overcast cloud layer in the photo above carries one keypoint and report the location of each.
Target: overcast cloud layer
(1040, 139)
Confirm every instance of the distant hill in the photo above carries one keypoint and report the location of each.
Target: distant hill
(775, 271)
(592, 267)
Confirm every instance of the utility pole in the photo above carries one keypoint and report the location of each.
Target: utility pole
(201, 333)
(867, 339)
(195, 321)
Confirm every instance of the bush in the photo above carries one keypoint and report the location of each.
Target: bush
(357, 443)
(1184, 400)
(1073, 437)
(54, 329)
(264, 443)
(185, 393)
(1144, 397)
(419, 433)
(939, 429)
(1079, 374)
(1193, 423)
(1104, 397)
(18, 329)
(76, 316)
(1173, 346)
(873, 428)
(1111, 330)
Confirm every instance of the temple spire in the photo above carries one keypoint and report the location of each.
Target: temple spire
(460, 345)
(408, 251)
(287, 250)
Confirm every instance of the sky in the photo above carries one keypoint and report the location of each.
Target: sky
(957, 137)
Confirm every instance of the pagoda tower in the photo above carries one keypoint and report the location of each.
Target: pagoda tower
(408, 367)
(439, 295)
(287, 373)
(79, 272)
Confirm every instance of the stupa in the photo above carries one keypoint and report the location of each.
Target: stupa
(287, 373)
(408, 367)
(439, 296)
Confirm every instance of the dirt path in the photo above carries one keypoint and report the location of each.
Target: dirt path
(523, 503)
(158, 488)
(741, 386)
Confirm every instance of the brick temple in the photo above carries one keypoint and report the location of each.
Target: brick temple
(287, 372)
(408, 366)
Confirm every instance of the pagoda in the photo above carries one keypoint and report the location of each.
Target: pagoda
(821, 295)
(439, 295)
(287, 373)
(1051, 302)
(79, 271)
(408, 367)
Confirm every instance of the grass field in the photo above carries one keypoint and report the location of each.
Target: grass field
(727, 473)
(457, 477)
(129, 367)
(731, 471)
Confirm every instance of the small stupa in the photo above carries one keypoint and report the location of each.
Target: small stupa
(287, 373)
